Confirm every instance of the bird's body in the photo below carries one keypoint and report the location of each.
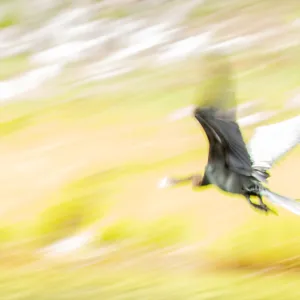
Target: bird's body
(228, 181)
(229, 165)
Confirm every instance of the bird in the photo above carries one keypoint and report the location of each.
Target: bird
(233, 166)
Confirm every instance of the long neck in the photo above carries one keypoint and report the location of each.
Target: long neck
(195, 179)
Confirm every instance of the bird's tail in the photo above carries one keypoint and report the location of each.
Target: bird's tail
(287, 203)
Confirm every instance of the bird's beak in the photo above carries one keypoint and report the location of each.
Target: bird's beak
(165, 183)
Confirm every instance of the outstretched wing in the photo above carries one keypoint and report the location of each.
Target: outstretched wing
(217, 115)
(269, 143)
(217, 86)
(225, 139)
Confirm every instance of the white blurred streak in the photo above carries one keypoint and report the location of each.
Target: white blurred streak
(27, 82)
(83, 30)
(106, 71)
(61, 54)
(293, 102)
(296, 23)
(256, 118)
(187, 47)
(182, 113)
(66, 53)
(68, 245)
(245, 107)
(71, 16)
(76, 242)
(143, 40)
(77, 33)
(235, 44)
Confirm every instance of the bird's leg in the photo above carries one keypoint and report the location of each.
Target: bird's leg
(257, 206)
(261, 206)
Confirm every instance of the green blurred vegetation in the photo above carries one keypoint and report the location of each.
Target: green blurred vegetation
(152, 93)
(260, 243)
(218, 10)
(115, 13)
(154, 234)
(62, 283)
(206, 9)
(77, 205)
(144, 98)
(120, 231)
(159, 94)
(167, 231)
(10, 18)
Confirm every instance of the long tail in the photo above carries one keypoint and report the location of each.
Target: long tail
(287, 203)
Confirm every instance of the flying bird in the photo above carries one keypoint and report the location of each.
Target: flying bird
(233, 166)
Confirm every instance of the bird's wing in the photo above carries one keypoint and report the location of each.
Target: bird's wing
(217, 115)
(225, 134)
(269, 143)
(217, 88)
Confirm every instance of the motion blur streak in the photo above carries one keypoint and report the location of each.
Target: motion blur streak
(95, 99)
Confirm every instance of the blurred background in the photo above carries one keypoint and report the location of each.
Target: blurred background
(93, 95)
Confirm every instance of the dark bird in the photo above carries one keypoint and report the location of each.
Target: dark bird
(230, 166)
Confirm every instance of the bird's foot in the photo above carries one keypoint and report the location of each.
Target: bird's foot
(263, 207)
(267, 209)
